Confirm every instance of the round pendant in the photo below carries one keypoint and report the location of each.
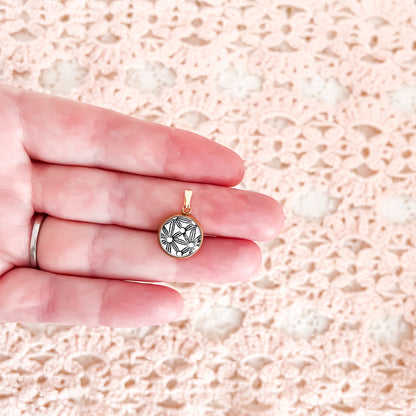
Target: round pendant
(180, 236)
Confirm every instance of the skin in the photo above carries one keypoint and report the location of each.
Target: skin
(107, 181)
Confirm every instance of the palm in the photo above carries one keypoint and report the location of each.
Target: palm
(15, 196)
(16, 212)
(107, 181)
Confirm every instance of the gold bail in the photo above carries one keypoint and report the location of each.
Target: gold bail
(186, 209)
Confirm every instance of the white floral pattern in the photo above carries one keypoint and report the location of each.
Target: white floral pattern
(180, 236)
(150, 77)
(238, 83)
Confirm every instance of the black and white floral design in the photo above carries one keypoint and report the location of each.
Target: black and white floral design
(180, 236)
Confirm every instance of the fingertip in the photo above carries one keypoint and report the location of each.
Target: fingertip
(168, 304)
(236, 168)
(197, 158)
(227, 165)
(250, 259)
(279, 218)
(257, 256)
(274, 218)
(172, 307)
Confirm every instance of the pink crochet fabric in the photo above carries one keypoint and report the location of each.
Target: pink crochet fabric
(319, 97)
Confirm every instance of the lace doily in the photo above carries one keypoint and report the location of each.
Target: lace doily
(319, 98)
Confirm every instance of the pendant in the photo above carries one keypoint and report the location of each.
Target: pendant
(181, 235)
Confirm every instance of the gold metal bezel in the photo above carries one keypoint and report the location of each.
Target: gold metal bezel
(181, 215)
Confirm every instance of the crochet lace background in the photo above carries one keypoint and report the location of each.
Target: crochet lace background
(319, 98)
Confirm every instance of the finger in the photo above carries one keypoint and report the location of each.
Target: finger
(30, 295)
(87, 249)
(62, 131)
(108, 197)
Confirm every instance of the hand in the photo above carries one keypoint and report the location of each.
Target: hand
(107, 181)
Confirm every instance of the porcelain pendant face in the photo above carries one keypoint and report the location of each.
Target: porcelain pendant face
(180, 236)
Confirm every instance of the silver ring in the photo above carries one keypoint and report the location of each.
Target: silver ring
(39, 218)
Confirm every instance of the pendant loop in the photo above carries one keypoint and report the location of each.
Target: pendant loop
(186, 209)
